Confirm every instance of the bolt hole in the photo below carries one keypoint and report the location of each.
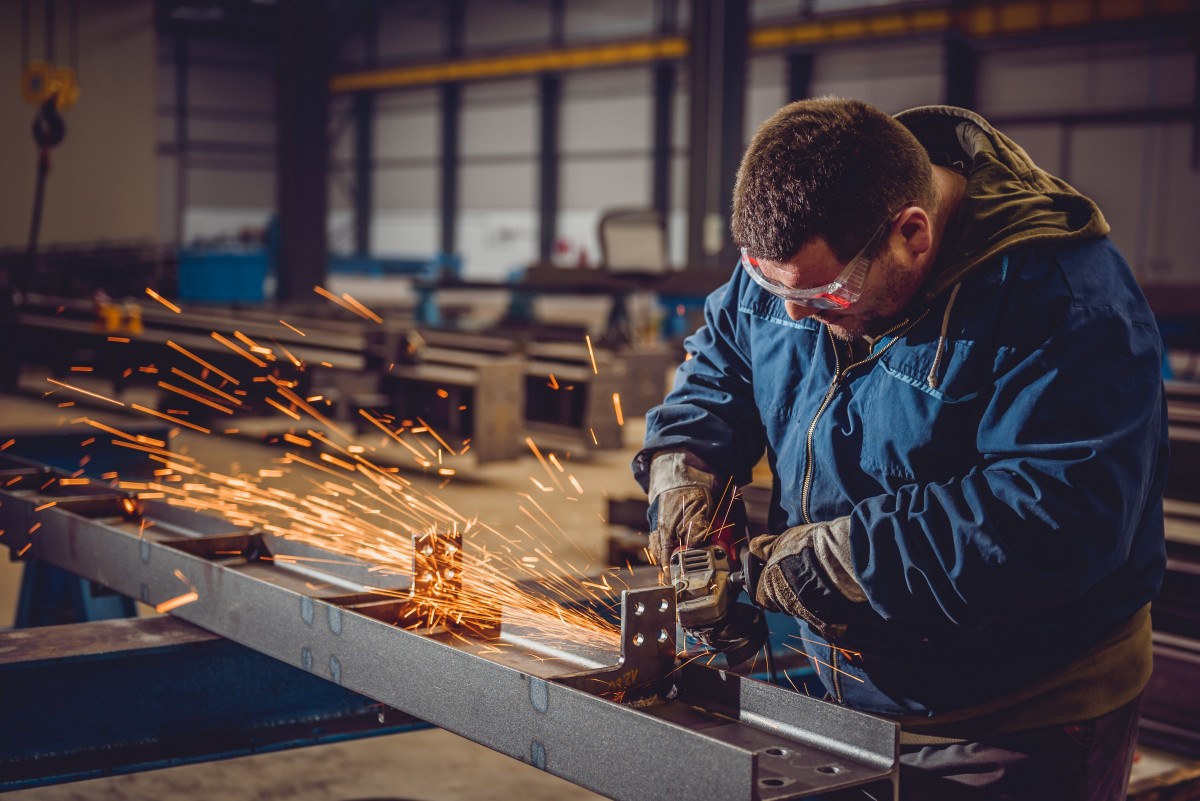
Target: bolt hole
(639, 608)
(831, 769)
(450, 574)
(662, 605)
(777, 751)
(663, 636)
(772, 782)
(638, 639)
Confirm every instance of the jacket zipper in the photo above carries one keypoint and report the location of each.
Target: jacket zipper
(838, 375)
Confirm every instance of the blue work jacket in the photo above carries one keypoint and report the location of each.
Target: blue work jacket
(1003, 477)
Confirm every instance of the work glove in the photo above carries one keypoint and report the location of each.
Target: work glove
(808, 573)
(689, 504)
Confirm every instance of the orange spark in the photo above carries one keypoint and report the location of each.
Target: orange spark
(592, 354)
(84, 392)
(294, 328)
(171, 419)
(239, 350)
(46, 505)
(163, 300)
(118, 339)
(617, 406)
(195, 397)
(203, 363)
(176, 602)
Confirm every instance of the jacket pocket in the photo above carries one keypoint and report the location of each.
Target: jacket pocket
(919, 420)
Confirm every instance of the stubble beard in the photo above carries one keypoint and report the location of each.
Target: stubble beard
(879, 307)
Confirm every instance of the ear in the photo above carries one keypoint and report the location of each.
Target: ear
(915, 226)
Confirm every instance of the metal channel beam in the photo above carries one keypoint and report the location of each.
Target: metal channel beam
(711, 735)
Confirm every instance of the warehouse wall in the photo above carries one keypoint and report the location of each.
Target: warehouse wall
(1074, 107)
(102, 183)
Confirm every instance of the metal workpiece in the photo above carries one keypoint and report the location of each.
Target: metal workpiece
(628, 725)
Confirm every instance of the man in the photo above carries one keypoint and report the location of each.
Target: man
(955, 380)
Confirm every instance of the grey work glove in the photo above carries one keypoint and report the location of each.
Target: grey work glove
(688, 505)
(809, 574)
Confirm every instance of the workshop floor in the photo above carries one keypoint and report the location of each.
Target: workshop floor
(423, 766)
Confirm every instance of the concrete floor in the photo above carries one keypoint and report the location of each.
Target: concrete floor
(429, 765)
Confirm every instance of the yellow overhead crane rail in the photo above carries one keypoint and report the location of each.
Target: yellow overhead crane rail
(976, 20)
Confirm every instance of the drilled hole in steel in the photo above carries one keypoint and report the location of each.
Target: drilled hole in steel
(662, 605)
(639, 608)
(663, 636)
(772, 782)
(427, 550)
(777, 751)
(830, 769)
(638, 639)
(450, 574)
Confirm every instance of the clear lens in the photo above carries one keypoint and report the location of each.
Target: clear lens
(838, 294)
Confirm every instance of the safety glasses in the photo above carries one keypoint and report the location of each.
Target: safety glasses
(839, 293)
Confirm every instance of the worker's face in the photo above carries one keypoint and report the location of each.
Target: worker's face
(895, 276)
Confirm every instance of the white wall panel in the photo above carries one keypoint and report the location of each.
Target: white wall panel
(411, 31)
(407, 188)
(495, 242)
(231, 89)
(404, 232)
(245, 131)
(766, 91)
(893, 77)
(229, 187)
(410, 133)
(605, 183)
(1107, 164)
(494, 24)
(499, 119)
(498, 186)
(608, 19)
(605, 111)
(1084, 78)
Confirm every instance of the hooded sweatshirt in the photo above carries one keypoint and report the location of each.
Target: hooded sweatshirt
(990, 469)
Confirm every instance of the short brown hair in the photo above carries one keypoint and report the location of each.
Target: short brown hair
(828, 168)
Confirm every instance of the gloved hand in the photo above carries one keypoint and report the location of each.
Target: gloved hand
(688, 505)
(808, 572)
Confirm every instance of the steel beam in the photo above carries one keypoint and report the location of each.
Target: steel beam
(696, 733)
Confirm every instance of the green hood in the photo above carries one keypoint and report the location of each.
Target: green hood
(1009, 201)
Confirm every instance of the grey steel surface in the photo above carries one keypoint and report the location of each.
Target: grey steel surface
(692, 733)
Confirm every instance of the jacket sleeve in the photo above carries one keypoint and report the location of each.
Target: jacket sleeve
(711, 412)
(1072, 457)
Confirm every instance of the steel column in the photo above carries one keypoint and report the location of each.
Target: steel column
(302, 115)
(799, 75)
(718, 77)
(549, 97)
(961, 67)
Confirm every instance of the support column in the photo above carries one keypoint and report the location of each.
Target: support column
(364, 140)
(451, 113)
(664, 101)
(302, 116)
(799, 76)
(961, 68)
(550, 91)
(718, 78)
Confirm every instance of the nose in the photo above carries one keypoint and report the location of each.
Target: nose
(798, 312)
